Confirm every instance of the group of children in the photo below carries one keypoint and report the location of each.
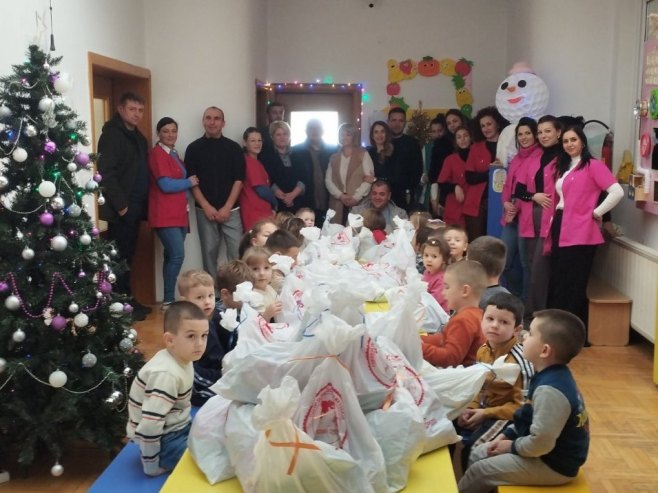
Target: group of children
(532, 432)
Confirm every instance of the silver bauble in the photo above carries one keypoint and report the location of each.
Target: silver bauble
(74, 210)
(91, 185)
(115, 399)
(111, 277)
(46, 104)
(126, 344)
(73, 307)
(3, 365)
(30, 131)
(18, 335)
(57, 203)
(127, 372)
(101, 200)
(89, 360)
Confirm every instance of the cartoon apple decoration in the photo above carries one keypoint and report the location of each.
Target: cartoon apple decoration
(463, 67)
(428, 67)
(393, 89)
(406, 66)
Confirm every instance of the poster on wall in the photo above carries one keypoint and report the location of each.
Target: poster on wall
(647, 155)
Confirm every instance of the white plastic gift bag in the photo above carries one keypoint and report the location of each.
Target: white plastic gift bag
(287, 460)
(207, 437)
(400, 431)
(329, 410)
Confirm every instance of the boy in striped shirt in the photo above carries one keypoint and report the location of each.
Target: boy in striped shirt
(159, 400)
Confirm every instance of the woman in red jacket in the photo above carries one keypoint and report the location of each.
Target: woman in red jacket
(257, 201)
(168, 212)
(487, 127)
(452, 184)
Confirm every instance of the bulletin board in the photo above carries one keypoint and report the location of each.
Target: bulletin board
(648, 139)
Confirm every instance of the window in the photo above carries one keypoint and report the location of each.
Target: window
(329, 119)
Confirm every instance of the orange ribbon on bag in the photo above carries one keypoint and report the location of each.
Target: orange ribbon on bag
(297, 445)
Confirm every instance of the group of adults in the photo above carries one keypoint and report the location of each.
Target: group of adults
(235, 186)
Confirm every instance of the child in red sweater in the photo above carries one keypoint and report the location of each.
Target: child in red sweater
(436, 255)
(459, 341)
(374, 220)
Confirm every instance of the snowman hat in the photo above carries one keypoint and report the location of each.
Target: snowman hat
(521, 68)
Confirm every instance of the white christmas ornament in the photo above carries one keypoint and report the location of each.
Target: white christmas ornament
(81, 320)
(91, 185)
(71, 167)
(27, 254)
(85, 239)
(46, 104)
(12, 303)
(3, 364)
(101, 200)
(19, 155)
(57, 470)
(73, 307)
(116, 309)
(18, 335)
(4, 182)
(4, 111)
(57, 379)
(30, 130)
(57, 203)
(47, 189)
(58, 243)
(62, 84)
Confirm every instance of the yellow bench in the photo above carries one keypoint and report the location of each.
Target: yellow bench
(578, 485)
(609, 318)
(431, 472)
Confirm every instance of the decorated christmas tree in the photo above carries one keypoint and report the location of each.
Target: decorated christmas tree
(67, 348)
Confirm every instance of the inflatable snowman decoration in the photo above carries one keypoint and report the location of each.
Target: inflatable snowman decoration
(521, 94)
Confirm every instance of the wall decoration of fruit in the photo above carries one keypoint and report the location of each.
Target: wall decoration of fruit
(459, 71)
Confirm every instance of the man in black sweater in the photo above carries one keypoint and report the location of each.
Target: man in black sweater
(219, 164)
(406, 161)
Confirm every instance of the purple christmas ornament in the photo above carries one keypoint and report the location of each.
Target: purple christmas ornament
(105, 287)
(58, 323)
(81, 158)
(127, 308)
(46, 219)
(97, 177)
(81, 274)
(95, 231)
(4, 287)
(50, 147)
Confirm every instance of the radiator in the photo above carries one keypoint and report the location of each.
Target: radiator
(632, 268)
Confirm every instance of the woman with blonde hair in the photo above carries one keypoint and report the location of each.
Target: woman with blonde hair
(349, 174)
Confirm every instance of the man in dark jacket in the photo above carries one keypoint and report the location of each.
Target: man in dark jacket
(123, 164)
(407, 159)
(318, 153)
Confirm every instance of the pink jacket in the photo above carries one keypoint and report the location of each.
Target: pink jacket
(478, 160)
(581, 189)
(524, 159)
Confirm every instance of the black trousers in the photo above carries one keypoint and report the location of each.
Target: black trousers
(124, 231)
(570, 270)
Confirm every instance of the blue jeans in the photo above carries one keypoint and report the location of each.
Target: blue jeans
(516, 276)
(172, 447)
(173, 241)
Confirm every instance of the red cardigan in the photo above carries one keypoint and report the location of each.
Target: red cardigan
(478, 160)
(165, 210)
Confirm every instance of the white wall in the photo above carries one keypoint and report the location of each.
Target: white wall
(345, 39)
(587, 52)
(203, 53)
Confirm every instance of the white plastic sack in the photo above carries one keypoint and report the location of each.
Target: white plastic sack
(457, 387)
(400, 432)
(206, 440)
(329, 410)
(287, 460)
(241, 439)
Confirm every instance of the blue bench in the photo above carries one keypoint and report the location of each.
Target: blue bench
(125, 474)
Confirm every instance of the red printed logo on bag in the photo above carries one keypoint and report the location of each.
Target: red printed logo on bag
(265, 329)
(377, 366)
(325, 418)
(411, 381)
(299, 304)
(340, 239)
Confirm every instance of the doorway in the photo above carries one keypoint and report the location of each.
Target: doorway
(109, 79)
(344, 99)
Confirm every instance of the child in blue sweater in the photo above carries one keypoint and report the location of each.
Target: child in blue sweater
(553, 451)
